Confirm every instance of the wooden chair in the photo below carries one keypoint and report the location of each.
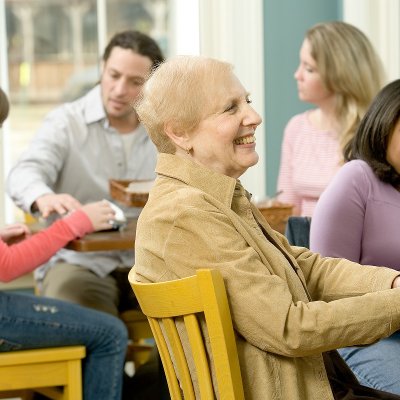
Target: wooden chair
(139, 347)
(55, 372)
(136, 322)
(188, 298)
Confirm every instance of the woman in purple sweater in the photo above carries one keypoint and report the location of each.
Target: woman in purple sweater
(358, 218)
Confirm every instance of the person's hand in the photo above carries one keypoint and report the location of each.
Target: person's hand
(58, 203)
(100, 213)
(13, 233)
(396, 282)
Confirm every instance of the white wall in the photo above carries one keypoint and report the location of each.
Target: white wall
(232, 30)
(184, 35)
(379, 20)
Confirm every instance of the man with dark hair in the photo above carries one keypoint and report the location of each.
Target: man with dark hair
(137, 42)
(4, 107)
(78, 148)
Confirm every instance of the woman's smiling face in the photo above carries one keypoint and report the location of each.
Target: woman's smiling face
(224, 140)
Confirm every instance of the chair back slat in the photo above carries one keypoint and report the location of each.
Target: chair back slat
(172, 380)
(179, 357)
(200, 297)
(199, 356)
(221, 333)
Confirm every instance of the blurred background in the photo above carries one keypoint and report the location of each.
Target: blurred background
(50, 52)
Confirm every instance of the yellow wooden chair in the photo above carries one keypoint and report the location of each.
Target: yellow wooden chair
(55, 372)
(139, 331)
(139, 347)
(188, 298)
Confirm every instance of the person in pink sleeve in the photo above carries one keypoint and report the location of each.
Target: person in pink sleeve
(358, 218)
(340, 73)
(28, 322)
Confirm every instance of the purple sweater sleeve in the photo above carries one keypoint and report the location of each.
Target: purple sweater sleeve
(25, 256)
(338, 220)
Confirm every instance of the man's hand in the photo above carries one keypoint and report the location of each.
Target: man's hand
(100, 214)
(14, 233)
(58, 203)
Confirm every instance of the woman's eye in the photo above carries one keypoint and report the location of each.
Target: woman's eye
(309, 68)
(230, 108)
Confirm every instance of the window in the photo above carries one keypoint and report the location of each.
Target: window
(52, 54)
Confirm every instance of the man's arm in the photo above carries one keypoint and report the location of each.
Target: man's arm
(37, 171)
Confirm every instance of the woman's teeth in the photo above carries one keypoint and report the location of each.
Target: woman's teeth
(245, 140)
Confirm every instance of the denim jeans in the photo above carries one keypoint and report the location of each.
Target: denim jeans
(377, 365)
(28, 322)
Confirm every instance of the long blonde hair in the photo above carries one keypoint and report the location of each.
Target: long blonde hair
(350, 68)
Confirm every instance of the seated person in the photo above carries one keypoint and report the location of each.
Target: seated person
(340, 73)
(357, 217)
(290, 307)
(77, 149)
(29, 322)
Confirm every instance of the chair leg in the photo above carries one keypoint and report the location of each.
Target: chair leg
(74, 389)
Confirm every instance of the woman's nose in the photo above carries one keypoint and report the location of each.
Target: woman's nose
(252, 117)
(297, 74)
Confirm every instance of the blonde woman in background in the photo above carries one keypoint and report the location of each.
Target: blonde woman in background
(340, 73)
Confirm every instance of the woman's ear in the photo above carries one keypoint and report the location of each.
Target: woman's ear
(179, 138)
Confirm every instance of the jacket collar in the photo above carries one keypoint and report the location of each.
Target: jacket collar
(219, 186)
(93, 106)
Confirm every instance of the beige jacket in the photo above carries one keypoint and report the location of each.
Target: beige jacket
(196, 218)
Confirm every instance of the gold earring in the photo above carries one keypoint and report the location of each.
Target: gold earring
(188, 150)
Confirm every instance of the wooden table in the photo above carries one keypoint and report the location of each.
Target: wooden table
(102, 240)
(107, 240)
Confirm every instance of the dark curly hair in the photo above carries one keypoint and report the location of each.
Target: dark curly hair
(4, 106)
(139, 43)
(374, 131)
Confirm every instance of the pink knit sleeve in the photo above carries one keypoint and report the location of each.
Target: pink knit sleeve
(25, 256)
(285, 177)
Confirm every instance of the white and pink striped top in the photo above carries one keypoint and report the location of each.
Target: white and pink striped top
(309, 159)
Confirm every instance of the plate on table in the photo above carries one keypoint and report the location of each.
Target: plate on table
(132, 193)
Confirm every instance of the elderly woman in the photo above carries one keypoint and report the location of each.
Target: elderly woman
(289, 305)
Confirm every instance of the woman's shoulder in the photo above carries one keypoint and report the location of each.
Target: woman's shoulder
(357, 168)
(299, 119)
(177, 197)
(298, 124)
(356, 174)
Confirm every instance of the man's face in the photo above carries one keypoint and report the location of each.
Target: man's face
(123, 76)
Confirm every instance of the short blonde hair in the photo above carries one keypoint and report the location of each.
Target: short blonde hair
(180, 92)
(349, 67)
